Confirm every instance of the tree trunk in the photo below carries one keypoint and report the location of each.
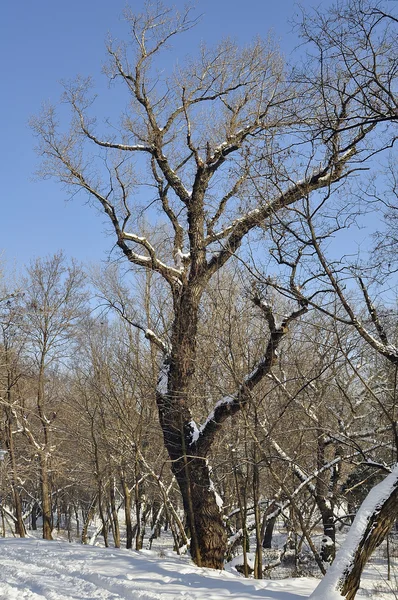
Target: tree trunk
(138, 501)
(258, 564)
(76, 510)
(127, 512)
(208, 536)
(101, 512)
(87, 520)
(324, 501)
(113, 513)
(19, 524)
(374, 520)
(33, 516)
(269, 532)
(45, 498)
(328, 548)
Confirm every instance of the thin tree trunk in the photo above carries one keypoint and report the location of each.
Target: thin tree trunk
(127, 512)
(44, 457)
(258, 563)
(45, 497)
(324, 502)
(104, 521)
(113, 514)
(87, 520)
(19, 524)
(33, 516)
(138, 508)
(240, 489)
(269, 531)
(76, 509)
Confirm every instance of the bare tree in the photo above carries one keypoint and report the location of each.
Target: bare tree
(52, 306)
(224, 146)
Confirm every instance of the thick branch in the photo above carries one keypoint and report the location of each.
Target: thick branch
(235, 233)
(230, 405)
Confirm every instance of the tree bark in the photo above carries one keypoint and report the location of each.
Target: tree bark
(208, 536)
(269, 531)
(45, 497)
(113, 514)
(19, 523)
(324, 501)
(204, 519)
(87, 520)
(127, 511)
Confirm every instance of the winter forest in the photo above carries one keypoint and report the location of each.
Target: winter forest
(229, 378)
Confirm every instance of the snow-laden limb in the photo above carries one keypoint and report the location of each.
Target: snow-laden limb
(298, 472)
(150, 261)
(181, 259)
(149, 334)
(252, 215)
(171, 176)
(239, 228)
(321, 178)
(372, 523)
(219, 500)
(195, 430)
(153, 337)
(198, 431)
(306, 483)
(231, 404)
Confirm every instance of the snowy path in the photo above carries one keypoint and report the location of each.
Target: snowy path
(38, 570)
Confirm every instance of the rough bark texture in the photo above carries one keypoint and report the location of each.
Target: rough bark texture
(204, 520)
(324, 501)
(208, 536)
(269, 531)
(328, 550)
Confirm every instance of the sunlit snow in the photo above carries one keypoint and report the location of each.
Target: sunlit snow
(37, 570)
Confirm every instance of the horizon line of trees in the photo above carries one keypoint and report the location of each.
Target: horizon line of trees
(79, 419)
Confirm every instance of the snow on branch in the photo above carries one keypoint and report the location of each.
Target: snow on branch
(238, 229)
(297, 470)
(150, 335)
(203, 436)
(372, 522)
(150, 261)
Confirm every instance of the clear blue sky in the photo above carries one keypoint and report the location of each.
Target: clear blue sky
(45, 41)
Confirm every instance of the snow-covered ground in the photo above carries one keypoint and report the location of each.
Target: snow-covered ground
(32, 569)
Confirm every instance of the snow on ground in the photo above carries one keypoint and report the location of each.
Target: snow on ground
(32, 569)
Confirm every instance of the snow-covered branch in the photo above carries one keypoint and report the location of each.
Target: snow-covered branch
(203, 436)
(372, 523)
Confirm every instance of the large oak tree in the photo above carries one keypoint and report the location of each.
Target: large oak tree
(219, 148)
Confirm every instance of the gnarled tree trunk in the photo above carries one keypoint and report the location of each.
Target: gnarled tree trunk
(204, 519)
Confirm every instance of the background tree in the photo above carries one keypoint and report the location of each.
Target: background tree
(52, 306)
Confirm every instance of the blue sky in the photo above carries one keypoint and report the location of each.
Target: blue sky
(45, 41)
